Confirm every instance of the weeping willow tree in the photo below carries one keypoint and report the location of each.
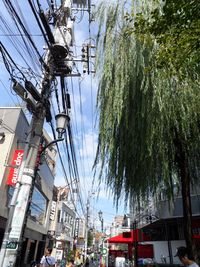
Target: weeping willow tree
(148, 113)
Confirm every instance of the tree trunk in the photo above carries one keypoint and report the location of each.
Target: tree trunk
(182, 163)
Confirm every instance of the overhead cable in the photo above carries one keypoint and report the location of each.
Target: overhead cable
(38, 22)
(12, 10)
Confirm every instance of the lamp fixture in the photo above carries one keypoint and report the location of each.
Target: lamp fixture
(62, 120)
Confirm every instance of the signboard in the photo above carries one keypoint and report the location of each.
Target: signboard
(16, 162)
(11, 245)
(53, 211)
(76, 229)
(59, 254)
(104, 251)
(19, 212)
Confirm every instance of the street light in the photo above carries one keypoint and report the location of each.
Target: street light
(61, 123)
(102, 242)
(62, 120)
(135, 237)
(101, 219)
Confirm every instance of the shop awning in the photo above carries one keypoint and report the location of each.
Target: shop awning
(129, 237)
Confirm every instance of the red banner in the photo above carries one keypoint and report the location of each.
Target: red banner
(16, 162)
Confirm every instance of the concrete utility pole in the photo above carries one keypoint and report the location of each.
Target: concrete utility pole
(60, 43)
(86, 225)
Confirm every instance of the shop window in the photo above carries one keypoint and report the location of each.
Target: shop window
(38, 207)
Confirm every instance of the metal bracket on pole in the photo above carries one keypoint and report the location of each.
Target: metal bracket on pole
(51, 143)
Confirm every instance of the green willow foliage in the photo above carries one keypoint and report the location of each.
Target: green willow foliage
(142, 109)
(176, 28)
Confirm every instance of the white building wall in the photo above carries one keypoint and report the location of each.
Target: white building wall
(161, 250)
(5, 149)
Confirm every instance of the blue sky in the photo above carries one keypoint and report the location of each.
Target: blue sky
(83, 116)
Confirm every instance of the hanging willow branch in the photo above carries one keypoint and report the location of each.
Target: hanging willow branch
(141, 107)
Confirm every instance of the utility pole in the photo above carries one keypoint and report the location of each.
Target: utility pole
(59, 50)
(87, 221)
(86, 225)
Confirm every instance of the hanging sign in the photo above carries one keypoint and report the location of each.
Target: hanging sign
(76, 229)
(104, 251)
(11, 245)
(53, 211)
(14, 171)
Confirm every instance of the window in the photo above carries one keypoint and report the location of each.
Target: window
(10, 194)
(59, 219)
(38, 207)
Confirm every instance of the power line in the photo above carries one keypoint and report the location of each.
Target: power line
(17, 41)
(17, 19)
(17, 34)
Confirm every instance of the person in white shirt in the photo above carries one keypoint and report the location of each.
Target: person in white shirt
(47, 259)
(182, 254)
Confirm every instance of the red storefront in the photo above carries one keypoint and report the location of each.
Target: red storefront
(132, 239)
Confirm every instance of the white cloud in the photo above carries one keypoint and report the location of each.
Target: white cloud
(90, 145)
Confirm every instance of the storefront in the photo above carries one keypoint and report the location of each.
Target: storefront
(132, 240)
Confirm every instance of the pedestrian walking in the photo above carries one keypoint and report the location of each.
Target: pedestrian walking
(87, 262)
(70, 263)
(47, 259)
(183, 255)
(78, 261)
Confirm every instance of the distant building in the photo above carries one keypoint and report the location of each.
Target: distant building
(116, 227)
(62, 223)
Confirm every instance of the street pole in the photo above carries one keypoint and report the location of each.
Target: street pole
(135, 236)
(102, 225)
(100, 213)
(101, 219)
(86, 226)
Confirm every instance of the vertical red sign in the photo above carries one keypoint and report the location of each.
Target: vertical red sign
(16, 162)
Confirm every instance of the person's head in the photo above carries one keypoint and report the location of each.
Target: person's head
(48, 251)
(183, 255)
(71, 261)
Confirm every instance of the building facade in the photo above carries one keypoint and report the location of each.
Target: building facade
(14, 128)
(162, 220)
(62, 223)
